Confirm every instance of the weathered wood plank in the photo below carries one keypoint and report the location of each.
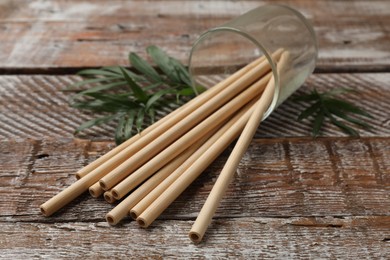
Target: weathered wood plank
(35, 107)
(277, 177)
(243, 238)
(72, 34)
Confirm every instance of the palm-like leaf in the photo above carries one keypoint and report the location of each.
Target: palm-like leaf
(131, 99)
(339, 112)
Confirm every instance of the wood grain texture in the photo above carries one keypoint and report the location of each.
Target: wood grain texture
(35, 107)
(45, 35)
(277, 177)
(242, 238)
(291, 198)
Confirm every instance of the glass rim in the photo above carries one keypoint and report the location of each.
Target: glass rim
(257, 44)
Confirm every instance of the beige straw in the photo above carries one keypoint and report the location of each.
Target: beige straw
(156, 192)
(169, 136)
(227, 173)
(108, 197)
(197, 135)
(69, 194)
(95, 190)
(171, 118)
(182, 143)
(177, 187)
(122, 209)
(76, 189)
(93, 165)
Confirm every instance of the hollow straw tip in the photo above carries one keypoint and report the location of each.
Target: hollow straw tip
(103, 185)
(111, 219)
(108, 197)
(93, 193)
(115, 194)
(195, 237)
(133, 214)
(44, 211)
(142, 222)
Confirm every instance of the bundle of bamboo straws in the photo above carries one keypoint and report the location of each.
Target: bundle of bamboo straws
(165, 158)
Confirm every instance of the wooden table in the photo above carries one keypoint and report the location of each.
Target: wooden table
(293, 196)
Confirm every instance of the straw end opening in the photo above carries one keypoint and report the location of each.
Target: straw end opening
(142, 222)
(115, 194)
(44, 211)
(111, 220)
(103, 185)
(133, 214)
(195, 237)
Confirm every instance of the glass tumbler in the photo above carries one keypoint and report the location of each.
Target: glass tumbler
(221, 51)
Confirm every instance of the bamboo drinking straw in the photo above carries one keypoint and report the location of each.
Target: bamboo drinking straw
(179, 145)
(158, 144)
(93, 165)
(177, 187)
(163, 139)
(95, 190)
(80, 186)
(227, 173)
(120, 172)
(192, 138)
(148, 198)
(122, 209)
(108, 197)
(173, 117)
(69, 194)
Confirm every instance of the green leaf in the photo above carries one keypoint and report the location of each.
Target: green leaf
(117, 70)
(345, 106)
(100, 88)
(138, 92)
(348, 130)
(114, 69)
(143, 67)
(348, 118)
(318, 122)
(163, 61)
(326, 106)
(156, 96)
(152, 115)
(151, 90)
(309, 111)
(117, 98)
(106, 103)
(181, 71)
(140, 120)
(91, 81)
(129, 124)
(186, 92)
(97, 72)
(119, 137)
(105, 96)
(98, 106)
(95, 122)
(153, 86)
